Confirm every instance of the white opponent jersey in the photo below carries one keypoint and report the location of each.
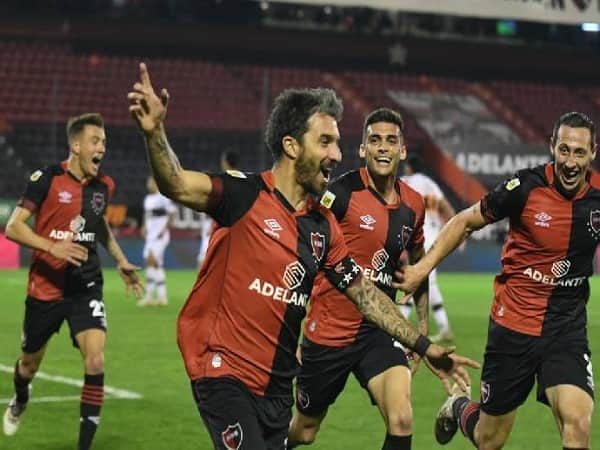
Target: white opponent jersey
(432, 195)
(157, 209)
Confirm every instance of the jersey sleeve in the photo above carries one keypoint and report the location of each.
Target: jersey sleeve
(233, 194)
(340, 269)
(36, 190)
(505, 200)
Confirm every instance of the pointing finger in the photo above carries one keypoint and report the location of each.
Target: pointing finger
(145, 76)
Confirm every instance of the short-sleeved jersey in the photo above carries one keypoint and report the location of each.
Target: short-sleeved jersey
(548, 254)
(65, 207)
(157, 209)
(432, 196)
(376, 234)
(242, 318)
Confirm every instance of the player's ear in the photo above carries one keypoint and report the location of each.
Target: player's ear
(361, 151)
(403, 152)
(75, 146)
(291, 147)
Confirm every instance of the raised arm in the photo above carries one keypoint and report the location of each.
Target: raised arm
(454, 232)
(189, 188)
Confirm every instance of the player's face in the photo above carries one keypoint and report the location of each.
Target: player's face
(383, 149)
(573, 155)
(319, 154)
(90, 147)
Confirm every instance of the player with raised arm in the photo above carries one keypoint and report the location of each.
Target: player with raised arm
(537, 329)
(239, 328)
(69, 201)
(380, 217)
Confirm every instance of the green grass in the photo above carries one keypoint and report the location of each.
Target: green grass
(142, 356)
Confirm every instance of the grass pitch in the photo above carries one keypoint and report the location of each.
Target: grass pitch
(142, 357)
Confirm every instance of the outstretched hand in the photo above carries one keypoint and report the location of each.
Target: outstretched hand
(446, 365)
(128, 273)
(148, 109)
(407, 279)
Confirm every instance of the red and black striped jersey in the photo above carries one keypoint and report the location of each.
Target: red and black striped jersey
(548, 254)
(65, 207)
(376, 234)
(242, 318)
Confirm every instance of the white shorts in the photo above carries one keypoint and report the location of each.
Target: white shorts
(157, 248)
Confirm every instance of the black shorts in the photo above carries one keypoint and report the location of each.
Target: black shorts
(325, 369)
(238, 419)
(514, 361)
(84, 311)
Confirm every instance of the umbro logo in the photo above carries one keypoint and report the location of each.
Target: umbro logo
(272, 228)
(367, 222)
(65, 197)
(543, 219)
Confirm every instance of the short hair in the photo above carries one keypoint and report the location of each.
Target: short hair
(574, 119)
(76, 124)
(415, 162)
(291, 111)
(230, 157)
(383, 115)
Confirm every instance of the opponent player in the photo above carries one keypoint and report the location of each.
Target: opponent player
(537, 330)
(159, 214)
(239, 328)
(437, 211)
(65, 279)
(380, 217)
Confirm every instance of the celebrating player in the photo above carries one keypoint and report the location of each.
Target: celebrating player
(537, 329)
(239, 328)
(65, 279)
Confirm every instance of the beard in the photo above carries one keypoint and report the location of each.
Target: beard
(306, 175)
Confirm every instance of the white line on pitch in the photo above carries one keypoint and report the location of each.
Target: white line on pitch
(48, 399)
(112, 391)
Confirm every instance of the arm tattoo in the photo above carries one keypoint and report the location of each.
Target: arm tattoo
(378, 308)
(163, 160)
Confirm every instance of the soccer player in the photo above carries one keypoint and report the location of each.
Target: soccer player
(537, 328)
(65, 279)
(159, 214)
(437, 211)
(238, 330)
(380, 217)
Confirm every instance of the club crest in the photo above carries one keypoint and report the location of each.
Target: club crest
(405, 236)
(317, 242)
(98, 202)
(595, 221)
(233, 436)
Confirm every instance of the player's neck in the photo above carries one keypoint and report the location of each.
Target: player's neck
(384, 186)
(75, 169)
(285, 182)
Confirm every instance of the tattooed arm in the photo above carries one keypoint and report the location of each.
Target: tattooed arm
(189, 188)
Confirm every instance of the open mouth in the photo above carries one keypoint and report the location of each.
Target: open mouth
(570, 178)
(96, 160)
(326, 172)
(383, 160)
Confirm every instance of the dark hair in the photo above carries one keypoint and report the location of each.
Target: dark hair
(574, 120)
(415, 163)
(383, 115)
(230, 157)
(76, 124)
(291, 111)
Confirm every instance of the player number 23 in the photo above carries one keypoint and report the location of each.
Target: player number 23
(97, 308)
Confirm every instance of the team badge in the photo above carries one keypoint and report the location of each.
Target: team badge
(511, 184)
(595, 221)
(98, 202)
(405, 235)
(317, 242)
(327, 199)
(36, 175)
(233, 436)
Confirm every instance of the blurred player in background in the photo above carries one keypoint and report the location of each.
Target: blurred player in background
(229, 161)
(380, 217)
(159, 214)
(437, 212)
(538, 322)
(238, 331)
(69, 201)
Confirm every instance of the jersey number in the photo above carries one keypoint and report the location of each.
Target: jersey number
(97, 308)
